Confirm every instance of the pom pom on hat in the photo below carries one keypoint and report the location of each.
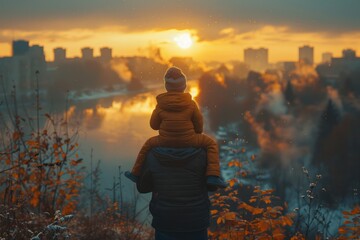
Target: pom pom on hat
(175, 80)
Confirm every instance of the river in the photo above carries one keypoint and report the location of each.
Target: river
(116, 128)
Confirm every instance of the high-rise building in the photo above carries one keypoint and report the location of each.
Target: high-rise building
(306, 55)
(256, 59)
(349, 54)
(87, 53)
(59, 55)
(20, 47)
(6, 67)
(21, 72)
(326, 57)
(105, 54)
(37, 51)
(37, 59)
(339, 66)
(26, 64)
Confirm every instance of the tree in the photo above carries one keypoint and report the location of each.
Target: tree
(289, 93)
(329, 119)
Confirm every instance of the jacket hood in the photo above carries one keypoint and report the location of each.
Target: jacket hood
(174, 101)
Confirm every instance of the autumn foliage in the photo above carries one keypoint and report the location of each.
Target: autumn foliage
(245, 211)
(42, 183)
(351, 226)
(255, 218)
(40, 169)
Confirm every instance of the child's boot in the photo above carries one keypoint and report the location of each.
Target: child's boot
(215, 181)
(131, 176)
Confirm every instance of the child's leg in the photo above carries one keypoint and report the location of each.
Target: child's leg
(213, 178)
(213, 163)
(139, 162)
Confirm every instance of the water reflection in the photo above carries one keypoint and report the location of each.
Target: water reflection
(116, 128)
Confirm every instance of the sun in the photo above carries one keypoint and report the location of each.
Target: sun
(184, 40)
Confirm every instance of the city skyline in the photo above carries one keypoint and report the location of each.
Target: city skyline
(251, 55)
(27, 59)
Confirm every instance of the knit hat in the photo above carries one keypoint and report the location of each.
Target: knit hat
(175, 80)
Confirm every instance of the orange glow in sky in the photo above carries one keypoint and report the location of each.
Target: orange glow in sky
(283, 46)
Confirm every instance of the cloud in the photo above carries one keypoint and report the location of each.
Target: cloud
(209, 17)
(70, 35)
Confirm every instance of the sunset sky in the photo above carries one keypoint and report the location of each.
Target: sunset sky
(219, 29)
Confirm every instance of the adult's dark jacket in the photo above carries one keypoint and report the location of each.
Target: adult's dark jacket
(176, 177)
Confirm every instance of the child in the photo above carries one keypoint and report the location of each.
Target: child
(180, 124)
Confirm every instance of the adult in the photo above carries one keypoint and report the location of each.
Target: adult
(179, 204)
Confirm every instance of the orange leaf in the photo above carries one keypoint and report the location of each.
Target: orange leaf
(257, 211)
(287, 221)
(266, 199)
(213, 212)
(220, 220)
(230, 216)
(252, 200)
(232, 182)
(356, 210)
(263, 225)
(342, 230)
(237, 163)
